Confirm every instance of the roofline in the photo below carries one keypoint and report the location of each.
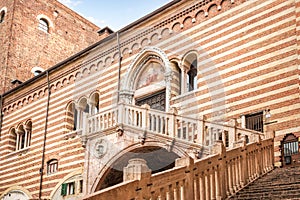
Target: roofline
(84, 51)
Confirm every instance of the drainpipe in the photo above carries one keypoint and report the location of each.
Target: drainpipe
(1, 115)
(45, 135)
(120, 65)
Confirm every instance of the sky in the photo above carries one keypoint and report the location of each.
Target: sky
(115, 14)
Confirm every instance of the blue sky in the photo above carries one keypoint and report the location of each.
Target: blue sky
(113, 13)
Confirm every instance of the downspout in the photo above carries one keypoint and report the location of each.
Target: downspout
(1, 115)
(45, 135)
(120, 65)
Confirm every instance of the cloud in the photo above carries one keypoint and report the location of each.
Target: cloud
(70, 3)
(96, 21)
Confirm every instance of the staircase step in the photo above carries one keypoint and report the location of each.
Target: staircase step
(281, 183)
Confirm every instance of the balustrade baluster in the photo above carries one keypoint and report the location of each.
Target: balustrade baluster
(207, 185)
(218, 183)
(177, 192)
(157, 124)
(196, 187)
(182, 191)
(193, 132)
(202, 187)
(233, 173)
(230, 178)
(212, 184)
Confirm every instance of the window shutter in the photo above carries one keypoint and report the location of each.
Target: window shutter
(64, 189)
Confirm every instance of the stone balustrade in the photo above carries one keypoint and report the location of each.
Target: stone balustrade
(215, 177)
(170, 124)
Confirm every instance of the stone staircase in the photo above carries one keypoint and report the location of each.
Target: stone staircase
(281, 183)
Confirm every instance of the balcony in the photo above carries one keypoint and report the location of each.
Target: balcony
(169, 125)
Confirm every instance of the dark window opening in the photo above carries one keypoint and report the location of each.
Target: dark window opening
(2, 16)
(192, 77)
(255, 122)
(155, 101)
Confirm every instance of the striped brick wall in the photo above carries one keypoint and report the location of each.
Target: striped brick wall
(247, 62)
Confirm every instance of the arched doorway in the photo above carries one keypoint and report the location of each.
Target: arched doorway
(158, 159)
(290, 150)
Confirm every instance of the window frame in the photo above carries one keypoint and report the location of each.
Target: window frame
(52, 166)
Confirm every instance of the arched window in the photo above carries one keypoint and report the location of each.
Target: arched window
(2, 16)
(94, 101)
(192, 77)
(23, 138)
(52, 166)
(72, 116)
(83, 109)
(189, 73)
(43, 25)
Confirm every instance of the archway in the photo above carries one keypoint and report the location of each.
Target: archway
(158, 159)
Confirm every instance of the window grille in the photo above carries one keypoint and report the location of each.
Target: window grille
(255, 122)
(43, 25)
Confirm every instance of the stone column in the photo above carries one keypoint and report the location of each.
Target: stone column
(136, 169)
(168, 79)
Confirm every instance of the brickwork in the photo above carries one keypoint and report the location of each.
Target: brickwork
(247, 62)
(25, 46)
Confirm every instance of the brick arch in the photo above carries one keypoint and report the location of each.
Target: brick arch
(132, 148)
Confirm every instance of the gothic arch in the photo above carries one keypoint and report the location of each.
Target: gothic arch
(137, 66)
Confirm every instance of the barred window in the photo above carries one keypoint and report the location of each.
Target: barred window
(255, 122)
(43, 25)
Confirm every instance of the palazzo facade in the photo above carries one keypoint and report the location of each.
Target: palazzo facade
(170, 85)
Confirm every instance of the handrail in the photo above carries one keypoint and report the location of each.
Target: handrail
(218, 176)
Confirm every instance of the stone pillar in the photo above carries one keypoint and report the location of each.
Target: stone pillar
(201, 130)
(136, 169)
(168, 79)
(232, 132)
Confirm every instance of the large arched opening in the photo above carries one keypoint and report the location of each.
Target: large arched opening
(158, 159)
